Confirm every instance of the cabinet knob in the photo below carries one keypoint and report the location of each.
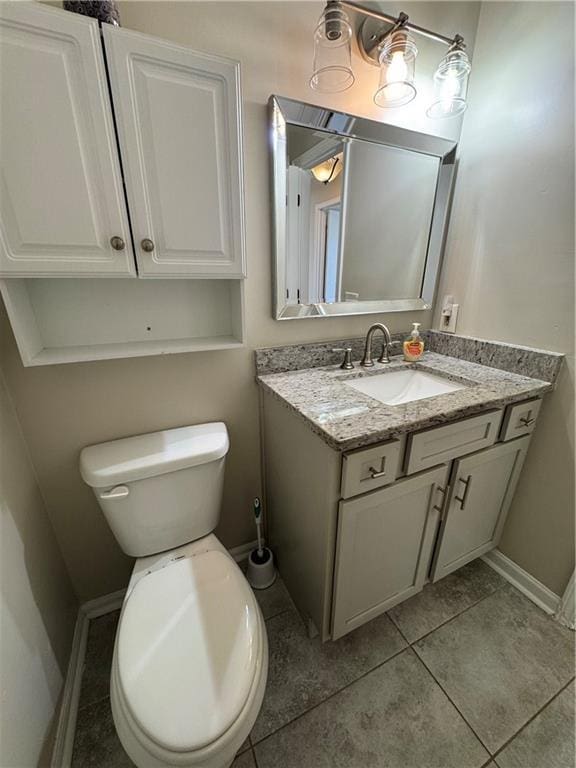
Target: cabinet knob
(147, 245)
(117, 243)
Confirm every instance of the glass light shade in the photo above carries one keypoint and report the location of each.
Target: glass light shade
(328, 170)
(397, 66)
(450, 85)
(332, 69)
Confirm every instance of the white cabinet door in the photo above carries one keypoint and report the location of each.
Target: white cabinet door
(178, 118)
(61, 194)
(481, 488)
(384, 545)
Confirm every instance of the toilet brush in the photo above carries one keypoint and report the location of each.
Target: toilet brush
(260, 572)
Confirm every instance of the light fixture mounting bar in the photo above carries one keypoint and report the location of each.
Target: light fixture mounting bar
(397, 21)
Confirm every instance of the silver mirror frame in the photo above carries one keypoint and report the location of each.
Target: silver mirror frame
(283, 112)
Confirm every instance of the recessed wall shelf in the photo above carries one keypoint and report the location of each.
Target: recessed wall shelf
(75, 320)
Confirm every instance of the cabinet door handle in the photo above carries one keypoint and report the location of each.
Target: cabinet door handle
(147, 245)
(374, 474)
(467, 484)
(443, 492)
(117, 243)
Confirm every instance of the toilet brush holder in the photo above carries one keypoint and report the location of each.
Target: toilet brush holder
(261, 572)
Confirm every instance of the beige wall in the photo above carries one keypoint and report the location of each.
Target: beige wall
(65, 407)
(37, 605)
(510, 254)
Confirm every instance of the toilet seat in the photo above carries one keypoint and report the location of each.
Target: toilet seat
(190, 663)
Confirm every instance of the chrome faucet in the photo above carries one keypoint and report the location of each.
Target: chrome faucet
(367, 361)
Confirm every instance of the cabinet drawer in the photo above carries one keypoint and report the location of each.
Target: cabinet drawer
(520, 419)
(439, 444)
(369, 468)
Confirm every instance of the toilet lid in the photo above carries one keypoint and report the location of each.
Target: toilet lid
(187, 650)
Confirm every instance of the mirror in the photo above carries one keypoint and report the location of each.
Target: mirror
(360, 212)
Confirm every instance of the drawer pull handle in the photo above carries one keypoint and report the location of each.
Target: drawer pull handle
(443, 492)
(527, 420)
(467, 484)
(374, 474)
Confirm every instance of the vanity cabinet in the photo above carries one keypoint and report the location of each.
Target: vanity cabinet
(358, 532)
(121, 157)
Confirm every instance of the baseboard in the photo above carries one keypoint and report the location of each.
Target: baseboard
(64, 739)
(241, 553)
(105, 604)
(566, 613)
(543, 597)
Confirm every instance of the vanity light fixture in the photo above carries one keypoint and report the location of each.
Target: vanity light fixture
(328, 170)
(387, 42)
(397, 66)
(451, 82)
(332, 70)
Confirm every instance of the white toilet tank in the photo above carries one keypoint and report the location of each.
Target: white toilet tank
(160, 490)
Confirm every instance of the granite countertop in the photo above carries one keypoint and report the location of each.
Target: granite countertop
(347, 419)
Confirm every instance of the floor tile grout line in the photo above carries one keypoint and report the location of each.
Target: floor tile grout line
(331, 696)
(280, 613)
(531, 719)
(254, 755)
(457, 615)
(493, 754)
(439, 684)
(93, 703)
(408, 645)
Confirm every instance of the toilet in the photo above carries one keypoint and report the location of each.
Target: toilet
(191, 654)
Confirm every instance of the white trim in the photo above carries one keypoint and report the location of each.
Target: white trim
(566, 613)
(102, 605)
(533, 589)
(241, 553)
(64, 740)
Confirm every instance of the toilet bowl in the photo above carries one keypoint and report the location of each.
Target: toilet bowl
(191, 654)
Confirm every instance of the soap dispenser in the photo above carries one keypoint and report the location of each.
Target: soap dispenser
(413, 346)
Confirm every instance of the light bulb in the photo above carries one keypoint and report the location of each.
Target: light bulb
(451, 84)
(395, 77)
(397, 60)
(397, 69)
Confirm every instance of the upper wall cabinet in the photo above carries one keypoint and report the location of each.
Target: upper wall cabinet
(62, 205)
(178, 117)
(120, 156)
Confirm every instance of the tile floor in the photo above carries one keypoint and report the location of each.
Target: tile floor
(467, 674)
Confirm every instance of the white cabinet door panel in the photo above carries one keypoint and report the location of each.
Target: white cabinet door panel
(384, 546)
(61, 194)
(178, 115)
(481, 489)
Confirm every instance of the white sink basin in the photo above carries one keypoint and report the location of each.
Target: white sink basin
(403, 386)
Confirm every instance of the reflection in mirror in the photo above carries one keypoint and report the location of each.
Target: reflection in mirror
(314, 200)
(389, 205)
(360, 213)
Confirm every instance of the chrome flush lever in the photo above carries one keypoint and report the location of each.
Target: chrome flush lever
(118, 492)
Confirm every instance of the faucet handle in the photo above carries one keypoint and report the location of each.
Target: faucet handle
(347, 364)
